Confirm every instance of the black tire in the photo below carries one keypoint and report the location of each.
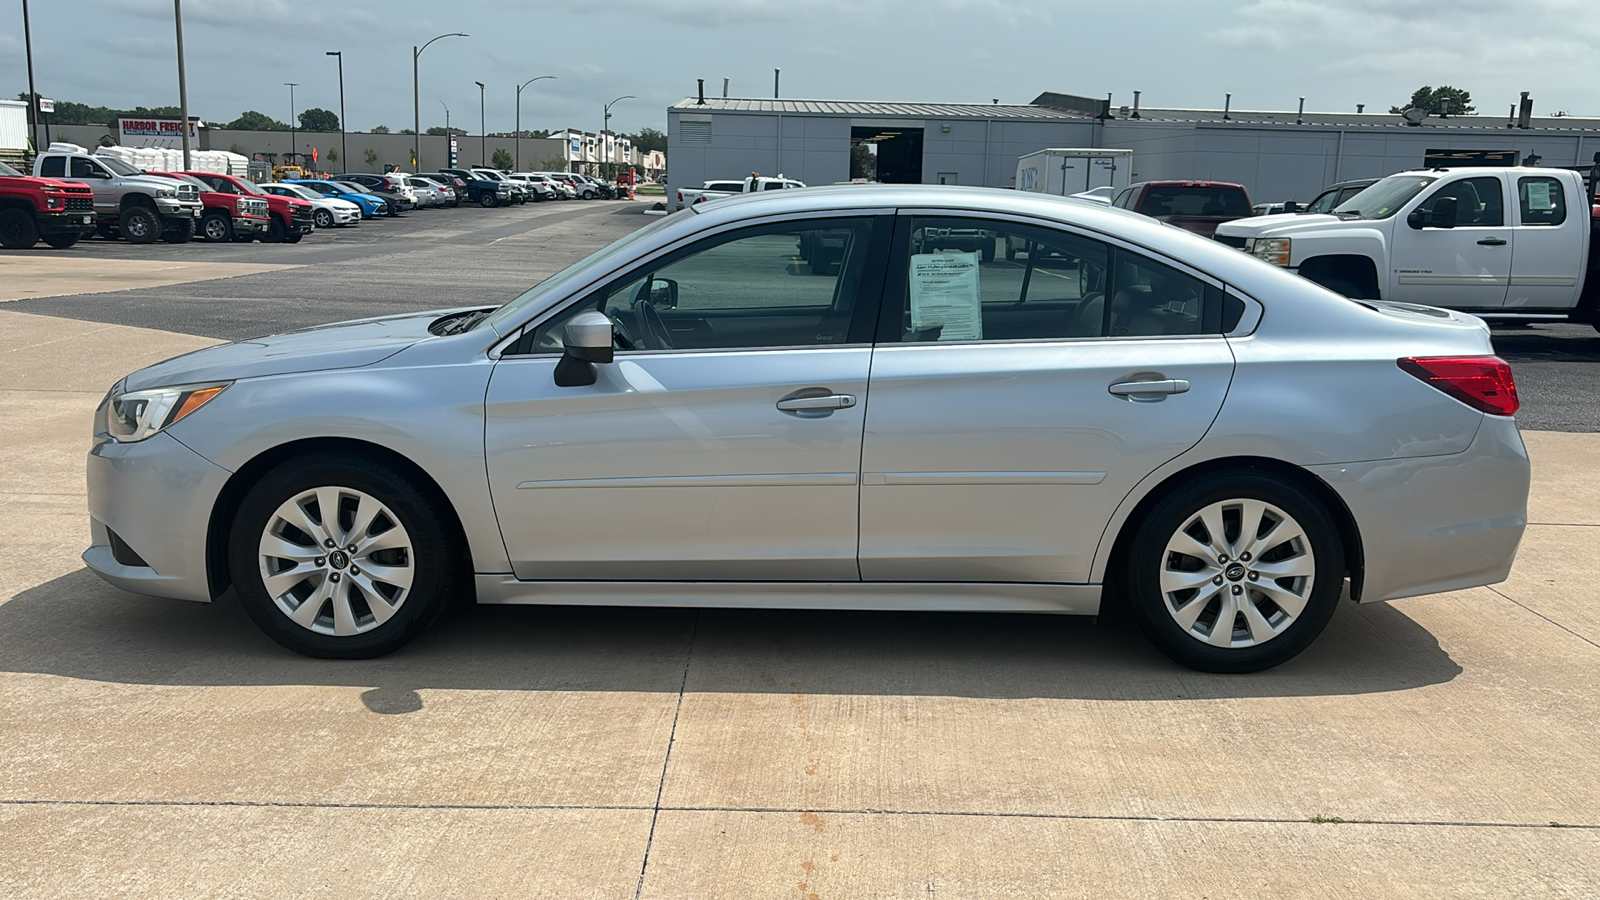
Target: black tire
(62, 241)
(217, 228)
(17, 229)
(486, 200)
(432, 557)
(1148, 555)
(140, 225)
(323, 218)
(182, 233)
(107, 232)
(276, 231)
(294, 236)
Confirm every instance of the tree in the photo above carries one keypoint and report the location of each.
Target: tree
(538, 133)
(502, 159)
(250, 120)
(440, 130)
(332, 155)
(239, 149)
(553, 164)
(407, 131)
(379, 129)
(70, 113)
(371, 156)
(1442, 100)
(317, 119)
(648, 139)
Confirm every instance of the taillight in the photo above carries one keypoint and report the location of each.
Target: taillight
(680, 196)
(1481, 382)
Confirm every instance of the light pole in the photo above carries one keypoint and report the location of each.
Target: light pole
(448, 137)
(33, 95)
(183, 89)
(605, 126)
(519, 115)
(416, 100)
(344, 152)
(294, 154)
(483, 130)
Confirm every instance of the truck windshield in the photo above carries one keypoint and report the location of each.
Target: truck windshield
(8, 172)
(1384, 199)
(117, 166)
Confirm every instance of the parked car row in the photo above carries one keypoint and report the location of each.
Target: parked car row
(74, 193)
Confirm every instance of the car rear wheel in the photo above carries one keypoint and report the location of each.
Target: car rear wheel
(217, 228)
(181, 233)
(486, 201)
(140, 225)
(342, 557)
(17, 230)
(1235, 572)
(323, 218)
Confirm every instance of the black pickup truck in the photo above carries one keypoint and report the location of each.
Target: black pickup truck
(481, 190)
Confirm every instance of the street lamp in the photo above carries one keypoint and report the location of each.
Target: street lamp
(519, 115)
(483, 130)
(605, 126)
(183, 89)
(294, 153)
(448, 137)
(344, 152)
(33, 95)
(416, 99)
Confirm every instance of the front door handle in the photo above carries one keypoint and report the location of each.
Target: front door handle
(1493, 242)
(1149, 390)
(824, 402)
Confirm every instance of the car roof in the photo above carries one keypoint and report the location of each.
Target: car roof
(1191, 183)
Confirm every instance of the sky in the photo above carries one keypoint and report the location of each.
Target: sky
(1179, 53)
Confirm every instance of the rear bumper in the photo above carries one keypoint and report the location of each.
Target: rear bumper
(157, 496)
(1438, 523)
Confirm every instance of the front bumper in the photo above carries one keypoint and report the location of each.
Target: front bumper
(302, 220)
(157, 496)
(192, 209)
(1438, 523)
(346, 216)
(65, 222)
(250, 225)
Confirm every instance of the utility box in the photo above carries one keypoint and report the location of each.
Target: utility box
(1068, 171)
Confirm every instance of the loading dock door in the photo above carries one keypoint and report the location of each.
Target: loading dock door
(899, 152)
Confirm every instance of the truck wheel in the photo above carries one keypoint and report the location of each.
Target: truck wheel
(217, 228)
(107, 232)
(140, 225)
(486, 200)
(17, 231)
(179, 234)
(275, 232)
(62, 241)
(293, 237)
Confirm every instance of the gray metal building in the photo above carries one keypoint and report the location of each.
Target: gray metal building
(1277, 155)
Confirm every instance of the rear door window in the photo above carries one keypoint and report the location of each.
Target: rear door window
(53, 167)
(1542, 200)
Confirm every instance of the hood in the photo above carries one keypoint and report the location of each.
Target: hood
(28, 181)
(1280, 225)
(154, 181)
(343, 345)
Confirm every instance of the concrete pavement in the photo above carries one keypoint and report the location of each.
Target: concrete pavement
(151, 748)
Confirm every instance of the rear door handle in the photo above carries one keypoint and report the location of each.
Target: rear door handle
(1152, 389)
(1493, 242)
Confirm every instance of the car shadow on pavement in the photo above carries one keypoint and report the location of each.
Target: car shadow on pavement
(78, 627)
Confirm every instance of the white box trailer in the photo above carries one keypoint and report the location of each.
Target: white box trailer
(1068, 171)
(13, 125)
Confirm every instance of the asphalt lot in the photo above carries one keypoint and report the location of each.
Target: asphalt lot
(1440, 746)
(430, 259)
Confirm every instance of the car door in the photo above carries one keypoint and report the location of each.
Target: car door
(1549, 246)
(723, 443)
(1464, 264)
(1014, 403)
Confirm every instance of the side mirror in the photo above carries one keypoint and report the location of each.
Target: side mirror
(1291, 207)
(587, 339)
(1442, 215)
(663, 293)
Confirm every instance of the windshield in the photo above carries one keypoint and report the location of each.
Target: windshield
(506, 316)
(1194, 200)
(8, 172)
(117, 166)
(487, 176)
(1384, 199)
(351, 187)
(249, 187)
(301, 192)
(190, 179)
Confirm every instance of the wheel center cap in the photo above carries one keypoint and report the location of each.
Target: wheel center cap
(1234, 572)
(338, 560)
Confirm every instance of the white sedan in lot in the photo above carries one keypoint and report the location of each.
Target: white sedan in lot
(836, 398)
(326, 212)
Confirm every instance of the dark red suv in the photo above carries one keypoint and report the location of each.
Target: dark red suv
(1197, 206)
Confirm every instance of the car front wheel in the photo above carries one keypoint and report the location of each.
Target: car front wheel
(342, 557)
(1235, 572)
(324, 219)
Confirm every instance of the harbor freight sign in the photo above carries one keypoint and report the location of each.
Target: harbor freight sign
(152, 131)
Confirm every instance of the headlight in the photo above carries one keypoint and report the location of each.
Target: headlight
(136, 415)
(166, 192)
(1273, 250)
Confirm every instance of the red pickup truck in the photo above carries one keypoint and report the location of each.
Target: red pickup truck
(227, 217)
(1197, 206)
(290, 217)
(60, 212)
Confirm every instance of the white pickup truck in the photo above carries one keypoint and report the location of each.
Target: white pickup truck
(714, 190)
(1500, 243)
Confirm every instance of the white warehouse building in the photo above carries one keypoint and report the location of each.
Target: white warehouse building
(1275, 155)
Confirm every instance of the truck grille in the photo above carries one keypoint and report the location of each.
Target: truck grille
(188, 192)
(80, 204)
(302, 215)
(252, 207)
(1235, 242)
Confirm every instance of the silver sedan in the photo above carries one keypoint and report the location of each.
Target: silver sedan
(836, 398)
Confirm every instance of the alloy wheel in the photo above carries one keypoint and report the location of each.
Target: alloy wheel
(1237, 573)
(336, 561)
